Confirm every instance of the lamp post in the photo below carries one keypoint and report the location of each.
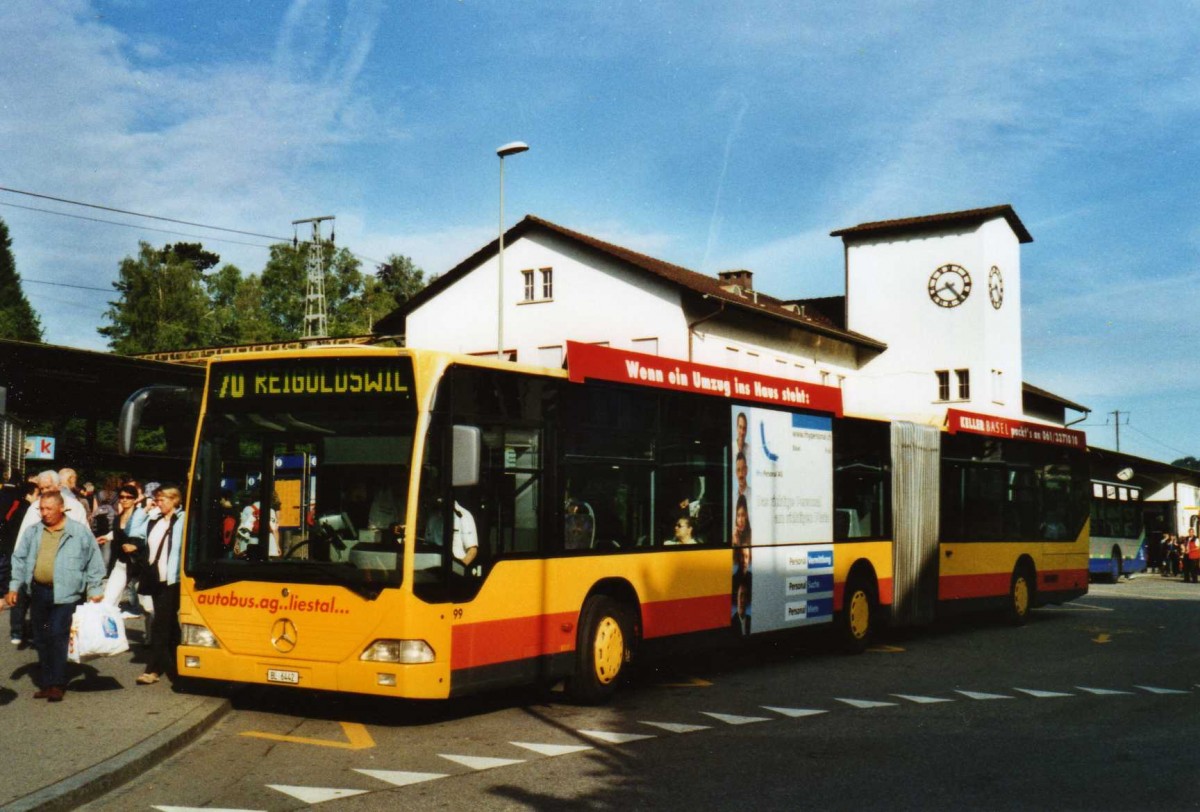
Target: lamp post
(508, 149)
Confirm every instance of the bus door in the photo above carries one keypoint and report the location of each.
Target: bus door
(916, 464)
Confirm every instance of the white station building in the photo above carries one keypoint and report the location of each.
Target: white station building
(931, 319)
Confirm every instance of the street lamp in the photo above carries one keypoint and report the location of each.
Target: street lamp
(508, 149)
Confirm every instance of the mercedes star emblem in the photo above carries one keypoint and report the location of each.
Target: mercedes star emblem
(283, 635)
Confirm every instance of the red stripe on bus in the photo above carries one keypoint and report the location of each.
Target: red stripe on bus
(499, 641)
(885, 593)
(993, 584)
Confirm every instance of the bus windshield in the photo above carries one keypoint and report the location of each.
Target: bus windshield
(302, 473)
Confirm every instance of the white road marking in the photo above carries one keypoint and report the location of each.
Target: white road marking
(864, 704)
(400, 778)
(1103, 691)
(615, 738)
(553, 749)
(481, 762)
(730, 719)
(1154, 690)
(981, 695)
(794, 713)
(676, 727)
(1041, 694)
(316, 795)
(201, 809)
(922, 700)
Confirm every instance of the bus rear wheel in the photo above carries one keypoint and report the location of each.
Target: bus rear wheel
(602, 650)
(858, 610)
(1020, 596)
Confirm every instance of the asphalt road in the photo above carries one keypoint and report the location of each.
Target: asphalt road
(1090, 706)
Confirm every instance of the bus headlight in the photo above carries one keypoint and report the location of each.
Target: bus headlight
(193, 635)
(407, 652)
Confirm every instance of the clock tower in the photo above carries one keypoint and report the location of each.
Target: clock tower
(943, 292)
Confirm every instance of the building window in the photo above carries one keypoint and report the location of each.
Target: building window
(551, 356)
(824, 378)
(943, 384)
(964, 383)
(997, 386)
(547, 283)
(527, 278)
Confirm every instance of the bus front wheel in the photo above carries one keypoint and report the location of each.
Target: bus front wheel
(1020, 596)
(602, 650)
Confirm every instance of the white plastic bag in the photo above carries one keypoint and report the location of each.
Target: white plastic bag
(97, 630)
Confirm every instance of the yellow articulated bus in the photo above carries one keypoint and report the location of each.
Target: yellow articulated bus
(417, 524)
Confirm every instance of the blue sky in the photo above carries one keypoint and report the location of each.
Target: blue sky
(713, 135)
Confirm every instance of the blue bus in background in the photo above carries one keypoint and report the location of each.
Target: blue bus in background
(1118, 531)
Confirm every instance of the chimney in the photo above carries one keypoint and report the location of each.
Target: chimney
(741, 280)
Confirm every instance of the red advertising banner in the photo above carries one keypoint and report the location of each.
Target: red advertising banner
(990, 426)
(589, 361)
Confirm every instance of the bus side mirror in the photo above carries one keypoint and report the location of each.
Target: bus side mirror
(131, 413)
(468, 444)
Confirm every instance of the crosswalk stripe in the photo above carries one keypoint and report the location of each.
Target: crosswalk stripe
(922, 700)
(481, 762)
(553, 749)
(400, 778)
(1103, 691)
(730, 719)
(1154, 690)
(981, 695)
(676, 727)
(865, 703)
(1041, 694)
(316, 795)
(794, 713)
(616, 738)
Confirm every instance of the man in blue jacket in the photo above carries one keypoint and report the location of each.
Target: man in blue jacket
(61, 564)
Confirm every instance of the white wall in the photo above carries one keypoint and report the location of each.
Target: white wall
(888, 299)
(595, 300)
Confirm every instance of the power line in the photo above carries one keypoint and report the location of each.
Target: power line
(1159, 442)
(65, 285)
(140, 214)
(133, 225)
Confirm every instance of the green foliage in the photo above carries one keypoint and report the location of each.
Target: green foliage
(1188, 462)
(162, 303)
(177, 298)
(18, 320)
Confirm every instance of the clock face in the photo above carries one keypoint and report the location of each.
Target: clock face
(949, 285)
(996, 287)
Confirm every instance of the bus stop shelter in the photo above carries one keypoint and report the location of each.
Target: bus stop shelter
(70, 399)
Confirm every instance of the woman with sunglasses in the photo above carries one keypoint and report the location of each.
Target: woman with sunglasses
(128, 538)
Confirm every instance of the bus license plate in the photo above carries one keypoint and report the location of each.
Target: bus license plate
(290, 677)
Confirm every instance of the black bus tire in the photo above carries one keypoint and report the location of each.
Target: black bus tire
(603, 648)
(1020, 595)
(856, 621)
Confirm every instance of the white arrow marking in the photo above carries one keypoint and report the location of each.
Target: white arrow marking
(615, 738)
(794, 713)
(730, 719)
(1103, 691)
(675, 727)
(865, 703)
(922, 700)
(980, 695)
(316, 795)
(399, 778)
(1041, 694)
(1154, 690)
(553, 749)
(482, 762)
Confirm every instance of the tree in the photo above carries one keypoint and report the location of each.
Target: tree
(1188, 462)
(285, 286)
(394, 283)
(162, 304)
(18, 319)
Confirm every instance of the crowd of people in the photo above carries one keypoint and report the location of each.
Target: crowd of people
(62, 543)
(1173, 556)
